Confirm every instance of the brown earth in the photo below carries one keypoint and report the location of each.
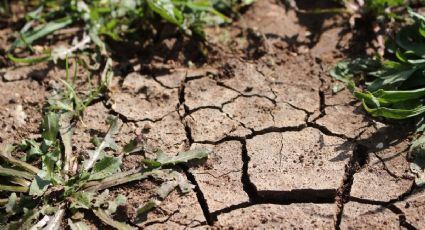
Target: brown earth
(286, 152)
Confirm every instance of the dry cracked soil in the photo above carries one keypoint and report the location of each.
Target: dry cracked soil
(285, 151)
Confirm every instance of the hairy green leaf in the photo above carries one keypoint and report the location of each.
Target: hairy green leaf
(105, 167)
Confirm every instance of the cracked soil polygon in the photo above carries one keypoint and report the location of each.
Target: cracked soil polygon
(271, 216)
(296, 160)
(220, 178)
(259, 113)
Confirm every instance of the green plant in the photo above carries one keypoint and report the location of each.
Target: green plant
(65, 184)
(112, 19)
(393, 88)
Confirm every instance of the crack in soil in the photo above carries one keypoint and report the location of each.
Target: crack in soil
(199, 194)
(356, 162)
(384, 166)
(339, 196)
(390, 205)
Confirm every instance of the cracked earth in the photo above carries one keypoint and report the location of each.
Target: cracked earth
(285, 151)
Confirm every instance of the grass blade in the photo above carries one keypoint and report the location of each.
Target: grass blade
(119, 179)
(13, 188)
(41, 31)
(29, 60)
(15, 173)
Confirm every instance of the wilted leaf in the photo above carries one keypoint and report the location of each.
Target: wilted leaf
(166, 188)
(63, 52)
(66, 130)
(50, 126)
(134, 146)
(101, 198)
(6, 156)
(173, 180)
(78, 225)
(182, 157)
(13, 188)
(56, 221)
(417, 151)
(105, 218)
(15, 173)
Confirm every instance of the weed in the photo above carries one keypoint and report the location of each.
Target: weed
(114, 20)
(393, 88)
(66, 185)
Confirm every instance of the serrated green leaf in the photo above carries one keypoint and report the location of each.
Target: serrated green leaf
(122, 178)
(40, 184)
(82, 200)
(108, 142)
(32, 149)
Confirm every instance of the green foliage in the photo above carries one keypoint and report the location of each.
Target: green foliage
(115, 20)
(42, 197)
(377, 7)
(394, 88)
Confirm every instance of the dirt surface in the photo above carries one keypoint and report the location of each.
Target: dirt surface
(285, 151)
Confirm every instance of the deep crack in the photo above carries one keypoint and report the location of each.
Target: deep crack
(356, 162)
(199, 194)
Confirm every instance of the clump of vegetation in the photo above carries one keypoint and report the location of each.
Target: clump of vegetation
(116, 20)
(50, 182)
(373, 8)
(394, 87)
